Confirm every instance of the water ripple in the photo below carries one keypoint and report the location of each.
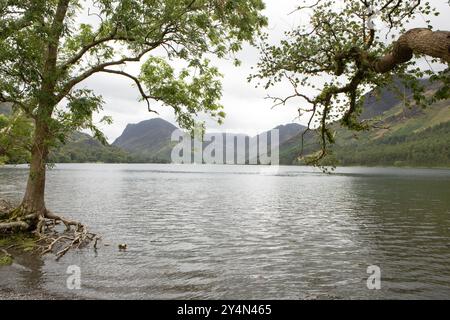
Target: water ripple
(217, 232)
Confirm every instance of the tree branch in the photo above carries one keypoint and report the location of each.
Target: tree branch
(415, 41)
(138, 84)
(100, 68)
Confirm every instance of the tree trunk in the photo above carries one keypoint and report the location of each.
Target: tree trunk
(422, 41)
(33, 201)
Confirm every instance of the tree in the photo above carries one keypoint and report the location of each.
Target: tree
(46, 53)
(339, 54)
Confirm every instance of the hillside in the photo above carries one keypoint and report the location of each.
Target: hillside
(408, 136)
(81, 148)
(288, 131)
(413, 137)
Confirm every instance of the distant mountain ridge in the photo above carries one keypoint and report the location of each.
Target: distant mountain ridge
(150, 140)
(406, 137)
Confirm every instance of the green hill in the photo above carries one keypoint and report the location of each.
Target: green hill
(81, 148)
(413, 137)
(407, 136)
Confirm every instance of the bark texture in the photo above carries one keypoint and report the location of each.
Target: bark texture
(33, 201)
(435, 44)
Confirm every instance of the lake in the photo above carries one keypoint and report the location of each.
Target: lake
(244, 232)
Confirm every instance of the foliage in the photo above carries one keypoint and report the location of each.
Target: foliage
(46, 53)
(330, 61)
(186, 93)
(15, 138)
(406, 135)
(82, 148)
(5, 260)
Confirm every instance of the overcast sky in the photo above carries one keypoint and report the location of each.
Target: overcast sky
(247, 109)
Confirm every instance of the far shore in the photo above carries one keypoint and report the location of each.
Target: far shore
(249, 165)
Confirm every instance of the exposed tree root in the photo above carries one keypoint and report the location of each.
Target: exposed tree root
(45, 226)
(60, 243)
(11, 226)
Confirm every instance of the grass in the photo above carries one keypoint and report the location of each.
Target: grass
(22, 241)
(5, 260)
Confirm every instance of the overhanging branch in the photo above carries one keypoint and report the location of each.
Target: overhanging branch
(423, 41)
(145, 97)
(99, 68)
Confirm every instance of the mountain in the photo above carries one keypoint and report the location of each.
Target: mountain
(81, 147)
(285, 132)
(381, 100)
(288, 131)
(150, 140)
(407, 136)
(147, 141)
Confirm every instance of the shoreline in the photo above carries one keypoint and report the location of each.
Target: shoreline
(249, 165)
(9, 289)
(29, 264)
(11, 295)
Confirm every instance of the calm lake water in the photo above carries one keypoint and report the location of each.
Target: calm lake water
(244, 232)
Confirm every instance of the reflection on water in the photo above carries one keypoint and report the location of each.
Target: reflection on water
(245, 233)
